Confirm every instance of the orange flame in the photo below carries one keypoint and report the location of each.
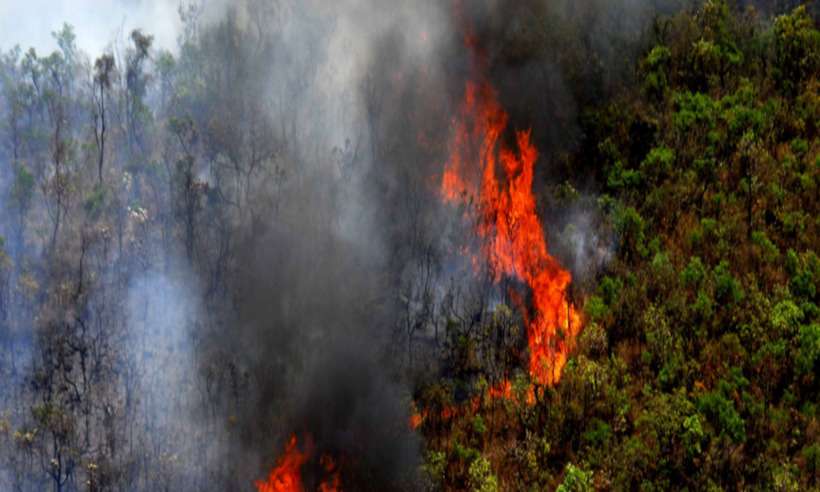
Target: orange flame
(286, 476)
(514, 243)
(514, 240)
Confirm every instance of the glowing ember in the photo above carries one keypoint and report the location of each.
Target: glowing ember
(332, 484)
(501, 391)
(514, 241)
(415, 420)
(286, 476)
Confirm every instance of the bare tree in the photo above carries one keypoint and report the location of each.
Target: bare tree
(103, 73)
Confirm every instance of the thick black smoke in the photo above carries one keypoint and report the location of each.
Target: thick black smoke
(315, 294)
(312, 329)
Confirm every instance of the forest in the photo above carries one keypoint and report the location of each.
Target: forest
(480, 245)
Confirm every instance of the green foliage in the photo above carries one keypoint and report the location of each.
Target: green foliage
(619, 177)
(598, 433)
(693, 109)
(658, 163)
(720, 408)
(808, 353)
(465, 453)
(479, 427)
(797, 49)
(784, 478)
(811, 456)
(610, 290)
(804, 270)
(659, 338)
(703, 305)
(655, 68)
(785, 317)
(481, 478)
(435, 465)
(693, 435)
(576, 479)
(694, 273)
(769, 251)
(631, 226)
(727, 288)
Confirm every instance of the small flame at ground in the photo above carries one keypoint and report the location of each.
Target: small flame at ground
(334, 482)
(286, 476)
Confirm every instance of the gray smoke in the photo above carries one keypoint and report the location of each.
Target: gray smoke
(315, 300)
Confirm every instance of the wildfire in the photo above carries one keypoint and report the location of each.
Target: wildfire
(514, 243)
(494, 182)
(286, 476)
